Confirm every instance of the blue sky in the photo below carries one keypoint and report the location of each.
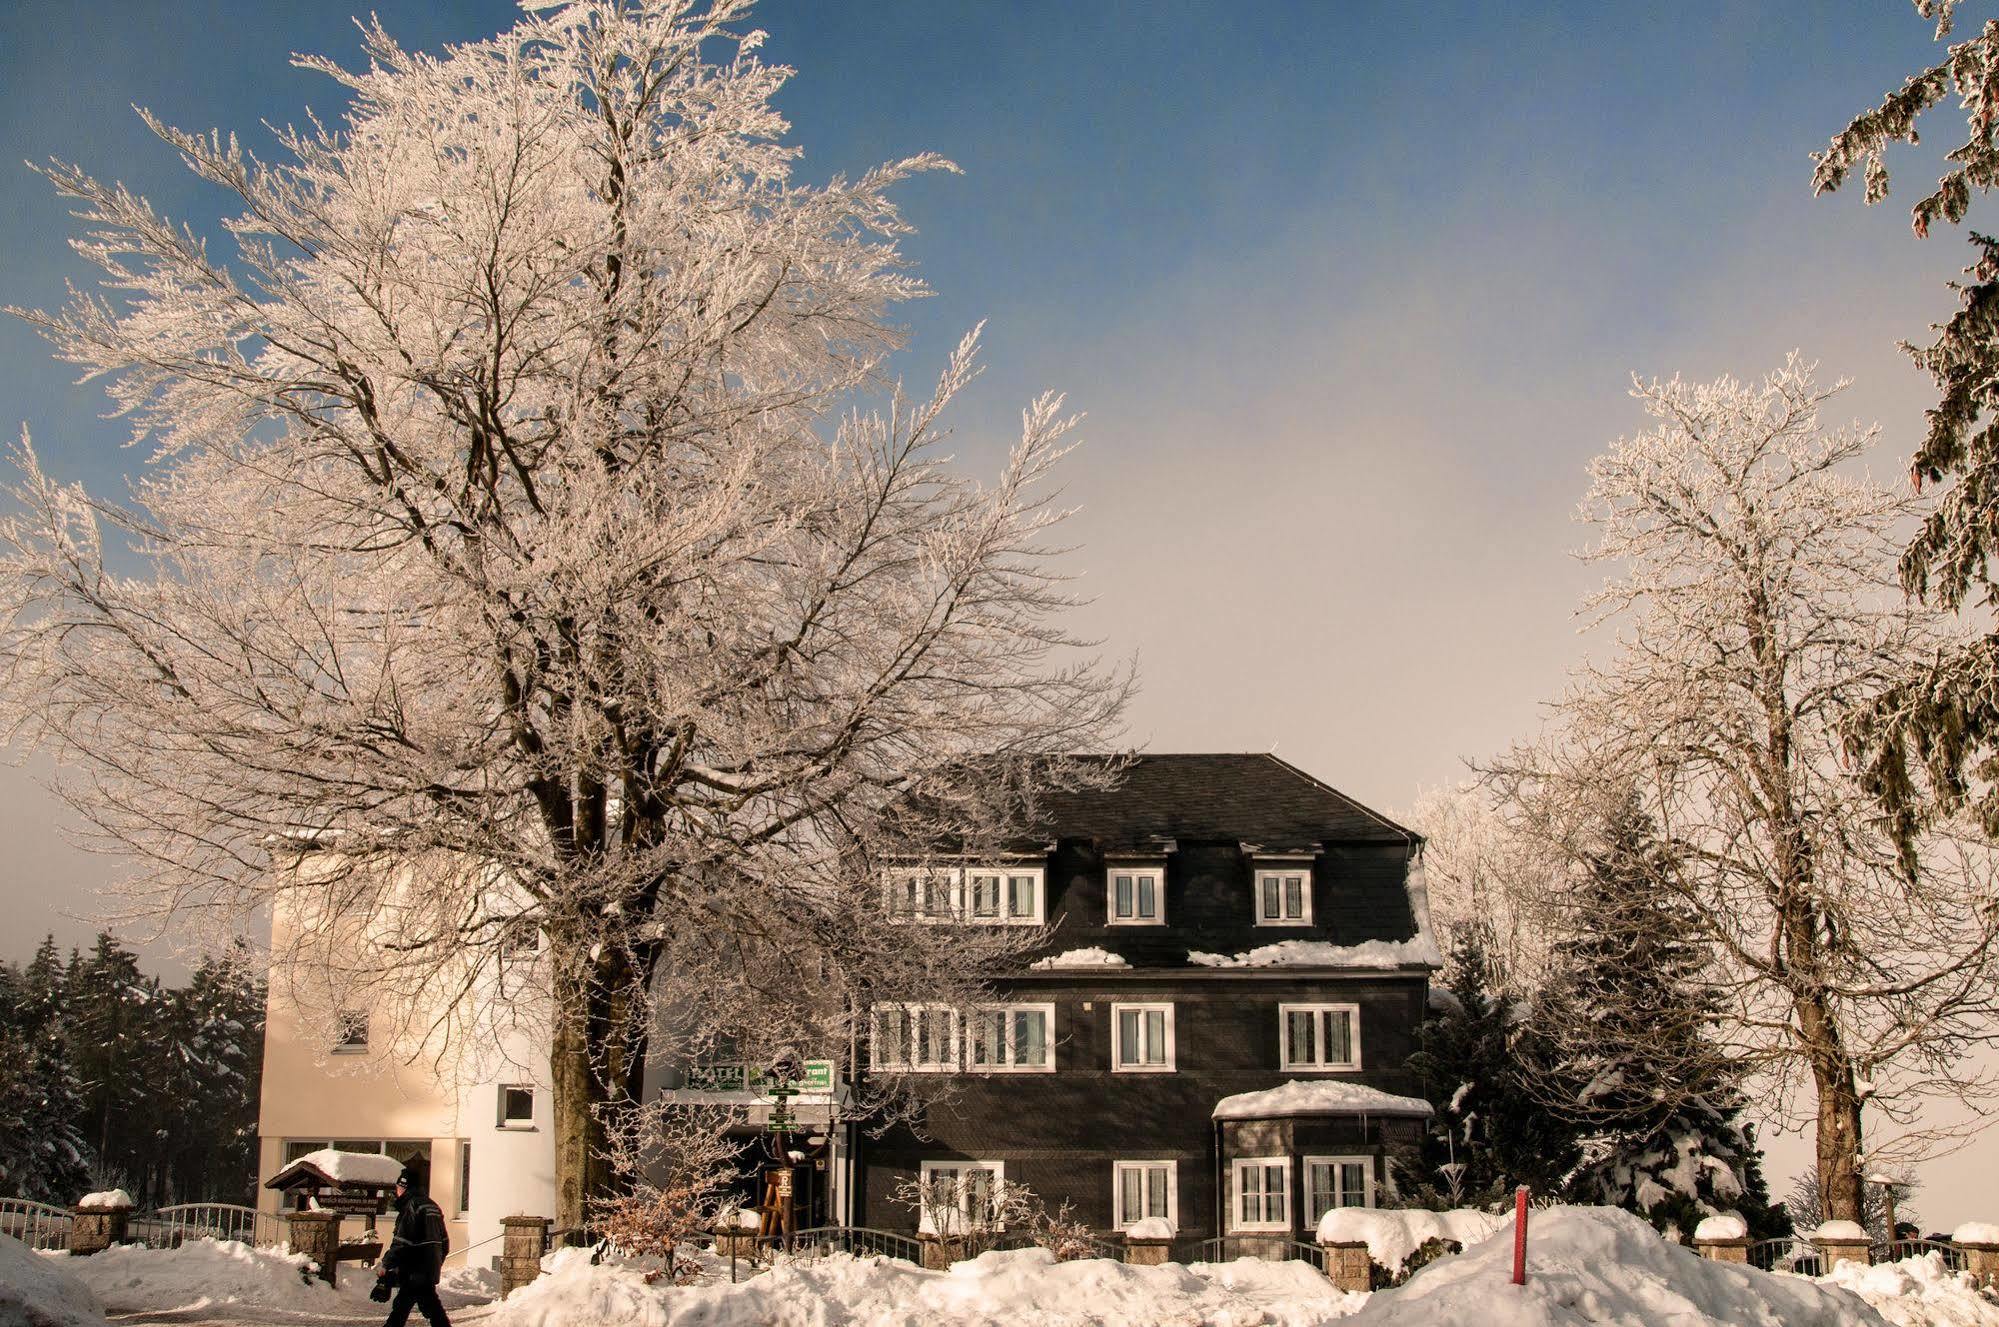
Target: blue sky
(1351, 292)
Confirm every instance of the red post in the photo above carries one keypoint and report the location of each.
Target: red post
(1520, 1236)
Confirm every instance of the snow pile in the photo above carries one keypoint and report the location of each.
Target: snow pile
(1603, 1266)
(996, 1290)
(1391, 1236)
(36, 1292)
(352, 1167)
(1080, 958)
(205, 1274)
(1841, 1231)
(1918, 1292)
(1727, 1225)
(1419, 952)
(1151, 1227)
(1317, 1096)
(104, 1200)
(1975, 1232)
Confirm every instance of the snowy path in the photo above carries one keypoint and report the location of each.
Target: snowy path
(252, 1315)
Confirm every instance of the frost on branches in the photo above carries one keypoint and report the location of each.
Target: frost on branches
(1755, 597)
(505, 548)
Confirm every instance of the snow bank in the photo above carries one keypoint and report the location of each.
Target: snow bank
(1080, 958)
(205, 1274)
(1599, 1265)
(1918, 1292)
(36, 1292)
(352, 1167)
(1151, 1227)
(104, 1199)
(1727, 1225)
(1391, 1236)
(1318, 1096)
(1840, 1230)
(1023, 1287)
(1419, 952)
(1975, 1232)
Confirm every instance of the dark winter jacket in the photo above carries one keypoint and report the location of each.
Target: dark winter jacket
(415, 1255)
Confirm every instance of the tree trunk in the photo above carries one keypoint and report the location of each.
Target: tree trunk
(1841, 1185)
(582, 1171)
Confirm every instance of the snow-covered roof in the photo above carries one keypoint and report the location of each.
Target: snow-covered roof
(332, 1166)
(1081, 958)
(1419, 951)
(1318, 1097)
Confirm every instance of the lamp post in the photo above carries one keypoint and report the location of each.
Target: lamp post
(1888, 1185)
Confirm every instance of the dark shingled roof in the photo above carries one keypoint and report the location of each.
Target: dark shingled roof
(1253, 797)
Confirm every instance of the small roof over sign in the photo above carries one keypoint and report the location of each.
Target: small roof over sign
(345, 1170)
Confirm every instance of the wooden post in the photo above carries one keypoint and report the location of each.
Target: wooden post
(317, 1236)
(523, 1240)
(1520, 1236)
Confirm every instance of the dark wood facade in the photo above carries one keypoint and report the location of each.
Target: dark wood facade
(1211, 822)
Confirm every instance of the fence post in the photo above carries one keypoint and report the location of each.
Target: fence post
(1723, 1250)
(99, 1221)
(1520, 1236)
(317, 1236)
(1148, 1251)
(1979, 1242)
(1841, 1242)
(1348, 1264)
(523, 1239)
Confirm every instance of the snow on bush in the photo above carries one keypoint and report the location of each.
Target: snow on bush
(37, 1292)
(1918, 1292)
(1391, 1236)
(104, 1199)
(1975, 1232)
(1726, 1225)
(1600, 1265)
(1024, 1286)
(204, 1274)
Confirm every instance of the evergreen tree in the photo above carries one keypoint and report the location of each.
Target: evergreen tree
(215, 1065)
(1632, 1065)
(1489, 1134)
(42, 1153)
(114, 1010)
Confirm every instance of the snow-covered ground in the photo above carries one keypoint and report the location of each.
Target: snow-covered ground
(1586, 1266)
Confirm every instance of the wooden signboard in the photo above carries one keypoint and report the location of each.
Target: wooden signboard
(349, 1204)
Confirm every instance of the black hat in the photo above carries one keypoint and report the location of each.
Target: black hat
(411, 1178)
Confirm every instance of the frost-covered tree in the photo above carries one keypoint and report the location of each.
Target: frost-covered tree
(1484, 875)
(43, 1154)
(1928, 745)
(1627, 1018)
(1755, 597)
(505, 544)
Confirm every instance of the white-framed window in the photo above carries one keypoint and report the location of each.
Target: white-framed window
(1142, 1038)
(1318, 1036)
(1262, 1188)
(1336, 1182)
(1142, 1189)
(1003, 895)
(350, 1032)
(959, 1195)
(464, 1176)
(1284, 896)
(516, 1106)
(1011, 1038)
(914, 1038)
(1135, 895)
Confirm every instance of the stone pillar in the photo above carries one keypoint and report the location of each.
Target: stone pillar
(317, 1236)
(523, 1240)
(935, 1256)
(1723, 1250)
(1982, 1261)
(1837, 1251)
(1147, 1252)
(1348, 1264)
(97, 1227)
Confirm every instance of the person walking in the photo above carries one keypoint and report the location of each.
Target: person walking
(415, 1257)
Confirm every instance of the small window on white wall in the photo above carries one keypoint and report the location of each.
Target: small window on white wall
(1135, 896)
(516, 1106)
(1284, 896)
(350, 1032)
(1262, 1193)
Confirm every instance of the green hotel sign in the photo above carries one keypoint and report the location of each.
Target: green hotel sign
(818, 1077)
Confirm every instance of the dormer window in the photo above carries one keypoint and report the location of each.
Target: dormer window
(1284, 896)
(1002, 895)
(1135, 895)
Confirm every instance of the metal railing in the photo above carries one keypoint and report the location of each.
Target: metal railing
(1270, 1248)
(860, 1241)
(1898, 1249)
(170, 1227)
(1067, 1248)
(37, 1225)
(1788, 1254)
